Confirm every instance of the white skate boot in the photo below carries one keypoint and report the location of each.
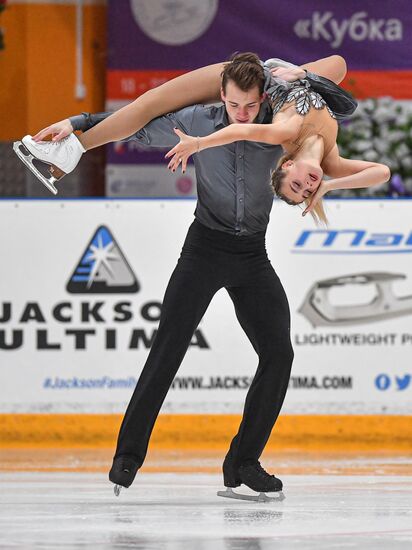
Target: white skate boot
(60, 157)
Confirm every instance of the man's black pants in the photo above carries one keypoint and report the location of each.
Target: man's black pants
(210, 260)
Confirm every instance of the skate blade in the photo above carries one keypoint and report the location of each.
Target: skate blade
(261, 497)
(117, 489)
(27, 160)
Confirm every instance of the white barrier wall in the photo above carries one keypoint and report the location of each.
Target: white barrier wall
(81, 286)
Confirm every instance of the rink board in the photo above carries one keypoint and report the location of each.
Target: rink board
(77, 351)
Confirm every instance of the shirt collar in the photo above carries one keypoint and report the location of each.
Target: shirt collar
(221, 117)
(264, 116)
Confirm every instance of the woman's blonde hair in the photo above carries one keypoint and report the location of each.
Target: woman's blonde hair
(277, 176)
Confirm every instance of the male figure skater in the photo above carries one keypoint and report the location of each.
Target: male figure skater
(225, 247)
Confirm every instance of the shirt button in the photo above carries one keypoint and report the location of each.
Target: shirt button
(241, 199)
(240, 179)
(240, 156)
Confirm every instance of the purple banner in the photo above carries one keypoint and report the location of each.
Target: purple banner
(183, 34)
(131, 152)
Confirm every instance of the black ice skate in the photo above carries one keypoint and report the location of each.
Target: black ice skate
(253, 476)
(122, 473)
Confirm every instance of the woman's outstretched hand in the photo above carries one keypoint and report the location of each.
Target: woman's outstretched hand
(315, 198)
(182, 151)
(58, 131)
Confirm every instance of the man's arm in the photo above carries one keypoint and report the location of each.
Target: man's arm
(158, 133)
(85, 121)
(65, 127)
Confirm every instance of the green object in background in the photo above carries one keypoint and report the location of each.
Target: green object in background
(380, 130)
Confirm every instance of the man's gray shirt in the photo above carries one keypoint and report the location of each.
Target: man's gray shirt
(233, 181)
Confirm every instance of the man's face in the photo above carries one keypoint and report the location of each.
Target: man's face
(242, 107)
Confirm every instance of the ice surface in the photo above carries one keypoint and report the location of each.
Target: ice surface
(175, 511)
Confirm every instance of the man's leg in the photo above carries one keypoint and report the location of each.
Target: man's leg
(190, 289)
(263, 312)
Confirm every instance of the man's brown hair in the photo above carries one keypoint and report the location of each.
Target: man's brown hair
(245, 70)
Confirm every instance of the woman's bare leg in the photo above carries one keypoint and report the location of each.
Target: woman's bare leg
(199, 86)
(332, 67)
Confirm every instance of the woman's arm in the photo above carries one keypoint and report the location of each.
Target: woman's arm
(273, 134)
(351, 174)
(348, 174)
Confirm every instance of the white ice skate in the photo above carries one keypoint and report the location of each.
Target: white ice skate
(60, 157)
(260, 497)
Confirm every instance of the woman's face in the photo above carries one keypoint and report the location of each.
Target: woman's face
(302, 179)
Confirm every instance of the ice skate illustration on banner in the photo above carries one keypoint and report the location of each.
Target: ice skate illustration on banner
(255, 478)
(319, 311)
(59, 157)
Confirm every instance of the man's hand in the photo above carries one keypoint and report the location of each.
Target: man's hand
(182, 151)
(58, 131)
(290, 74)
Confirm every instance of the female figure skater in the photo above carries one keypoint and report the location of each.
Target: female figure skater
(306, 128)
(307, 132)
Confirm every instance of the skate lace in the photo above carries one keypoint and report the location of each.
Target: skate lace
(262, 473)
(60, 142)
(125, 464)
(53, 144)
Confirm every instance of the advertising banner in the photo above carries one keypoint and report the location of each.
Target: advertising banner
(81, 290)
